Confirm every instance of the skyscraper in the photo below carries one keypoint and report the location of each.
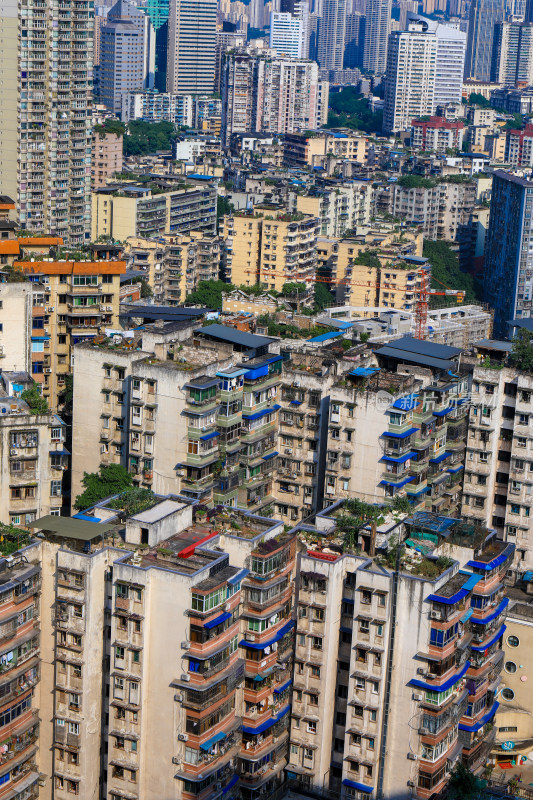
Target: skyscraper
(410, 76)
(378, 16)
(191, 46)
(46, 63)
(331, 35)
(512, 53)
(451, 47)
(484, 14)
(287, 35)
(508, 269)
(127, 48)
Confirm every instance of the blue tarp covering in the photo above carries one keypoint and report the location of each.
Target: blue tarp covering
(325, 336)
(528, 576)
(261, 645)
(403, 435)
(282, 688)
(479, 648)
(483, 721)
(296, 402)
(490, 565)
(443, 412)
(209, 436)
(453, 470)
(439, 458)
(354, 785)
(364, 372)
(270, 455)
(399, 459)
(213, 740)
(85, 517)
(430, 687)
(217, 620)
(467, 586)
(348, 600)
(406, 403)
(258, 372)
(496, 613)
(240, 576)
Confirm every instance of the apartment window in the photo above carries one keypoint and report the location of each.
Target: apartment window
(301, 639)
(311, 726)
(73, 727)
(364, 626)
(366, 596)
(315, 672)
(340, 718)
(313, 699)
(119, 742)
(356, 739)
(318, 614)
(360, 683)
(295, 749)
(316, 642)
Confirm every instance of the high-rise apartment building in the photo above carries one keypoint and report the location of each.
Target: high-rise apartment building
(508, 265)
(354, 41)
(512, 54)
(106, 156)
(331, 35)
(410, 76)
(264, 93)
(126, 49)
(46, 95)
(484, 14)
(191, 46)
(287, 35)
(451, 51)
(378, 21)
(498, 466)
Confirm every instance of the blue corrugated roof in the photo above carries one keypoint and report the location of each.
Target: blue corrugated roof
(402, 435)
(496, 613)
(324, 337)
(480, 648)
(476, 726)
(364, 372)
(430, 687)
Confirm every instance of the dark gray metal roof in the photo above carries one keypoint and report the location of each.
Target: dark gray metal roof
(411, 345)
(526, 323)
(494, 344)
(72, 528)
(233, 336)
(170, 313)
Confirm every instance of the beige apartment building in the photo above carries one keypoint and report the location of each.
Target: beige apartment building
(270, 247)
(72, 301)
(35, 459)
(339, 207)
(499, 457)
(175, 265)
(374, 271)
(106, 157)
(16, 302)
(312, 149)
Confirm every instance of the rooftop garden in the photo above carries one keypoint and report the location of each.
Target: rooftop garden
(12, 539)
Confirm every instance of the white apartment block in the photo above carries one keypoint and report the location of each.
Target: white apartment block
(287, 35)
(46, 98)
(153, 106)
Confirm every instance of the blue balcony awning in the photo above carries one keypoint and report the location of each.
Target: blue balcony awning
(397, 485)
(403, 435)
(348, 600)
(466, 616)
(213, 740)
(63, 452)
(262, 413)
(354, 785)
(296, 402)
(231, 784)
(443, 412)
(430, 687)
(480, 648)
(282, 688)
(476, 726)
(270, 455)
(467, 587)
(240, 576)
(217, 620)
(211, 435)
(453, 470)
(279, 635)
(267, 724)
(406, 403)
(399, 459)
(496, 613)
(440, 458)
(496, 562)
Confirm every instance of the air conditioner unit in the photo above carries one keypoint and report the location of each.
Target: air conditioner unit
(288, 451)
(51, 309)
(176, 761)
(250, 637)
(412, 756)
(226, 606)
(178, 697)
(185, 645)
(421, 671)
(417, 697)
(13, 451)
(109, 308)
(411, 783)
(422, 731)
(182, 737)
(47, 371)
(185, 678)
(434, 614)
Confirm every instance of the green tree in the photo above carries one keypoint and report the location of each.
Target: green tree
(110, 480)
(445, 269)
(293, 287)
(350, 109)
(144, 138)
(323, 297)
(224, 207)
(33, 397)
(146, 289)
(111, 126)
(369, 258)
(476, 99)
(522, 352)
(209, 294)
(415, 182)
(464, 785)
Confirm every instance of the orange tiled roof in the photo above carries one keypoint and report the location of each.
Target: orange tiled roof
(73, 267)
(9, 247)
(40, 241)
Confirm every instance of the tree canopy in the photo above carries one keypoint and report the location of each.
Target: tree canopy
(209, 293)
(477, 99)
(522, 352)
(111, 126)
(110, 480)
(350, 109)
(147, 137)
(445, 269)
(323, 297)
(33, 397)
